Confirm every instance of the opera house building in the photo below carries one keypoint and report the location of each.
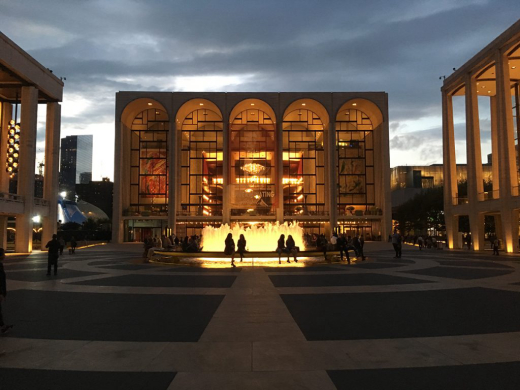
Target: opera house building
(184, 161)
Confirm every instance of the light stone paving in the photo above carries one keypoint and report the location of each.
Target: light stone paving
(252, 341)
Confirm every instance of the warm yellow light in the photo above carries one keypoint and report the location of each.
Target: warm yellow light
(250, 210)
(149, 104)
(206, 197)
(257, 196)
(292, 156)
(252, 104)
(292, 180)
(249, 190)
(219, 156)
(217, 180)
(201, 104)
(300, 197)
(253, 180)
(303, 104)
(354, 104)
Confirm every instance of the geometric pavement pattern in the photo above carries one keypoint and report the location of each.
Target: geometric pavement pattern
(434, 319)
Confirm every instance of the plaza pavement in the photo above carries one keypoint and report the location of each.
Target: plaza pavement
(434, 319)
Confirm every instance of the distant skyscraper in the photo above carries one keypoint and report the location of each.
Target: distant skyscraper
(76, 160)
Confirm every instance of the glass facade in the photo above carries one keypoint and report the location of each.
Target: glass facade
(303, 164)
(355, 162)
(201, 164)
(252, 158)
(76, 160)
(149, 163)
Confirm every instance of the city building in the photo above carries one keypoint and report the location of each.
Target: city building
(188, 160)
(25, 84)
(98, 193)
(406, 181)
(491, 76)
(75, 162)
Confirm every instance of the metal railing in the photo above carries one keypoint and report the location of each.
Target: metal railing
(488, 195)
(460, 200)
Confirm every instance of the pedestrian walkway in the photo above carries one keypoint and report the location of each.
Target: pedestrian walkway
(431, 319)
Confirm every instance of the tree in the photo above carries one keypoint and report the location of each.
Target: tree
(424, 211)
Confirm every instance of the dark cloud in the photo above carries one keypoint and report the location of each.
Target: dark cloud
(401, 47)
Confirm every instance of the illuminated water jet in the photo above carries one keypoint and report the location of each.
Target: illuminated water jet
(260, 237)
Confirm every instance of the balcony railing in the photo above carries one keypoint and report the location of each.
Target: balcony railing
(11, 197)
(460, 199)
(488, 195)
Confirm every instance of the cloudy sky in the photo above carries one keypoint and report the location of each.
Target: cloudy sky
(401, 47)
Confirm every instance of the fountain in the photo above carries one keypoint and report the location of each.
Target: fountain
(260, 237)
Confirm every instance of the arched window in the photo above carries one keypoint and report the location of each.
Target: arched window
(252, 154)
(149, 162)
(201, 163)
(303, 163)
(355, 159)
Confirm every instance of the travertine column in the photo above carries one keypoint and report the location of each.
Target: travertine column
(507, 157)
(333, 176)
(50, 183)
(450, 167)
(24, 223)
(7, 111)
(226, 166)
(474, 162)
(117, 220)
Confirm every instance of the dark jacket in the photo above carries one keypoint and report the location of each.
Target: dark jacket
(3, 283)
(54, 247)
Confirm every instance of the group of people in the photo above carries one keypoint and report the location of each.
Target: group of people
(171, 243)
(341, 243)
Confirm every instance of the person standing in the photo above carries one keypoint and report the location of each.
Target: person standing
(495, 246)
(241, 246)
(62, 245)
(396, 243)
(3, 293)
(361, 247)
(420, 241)
(342, 246)
(52, 256)
(73, 245)
(229, 248)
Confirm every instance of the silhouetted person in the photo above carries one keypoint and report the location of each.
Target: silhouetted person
(280, 248)
(3, 293)
(495, 247)
(290, 247)
(73, 245)
(62, 245)
(230, 248)
(342, 246)
(52, 256)
(241, 247)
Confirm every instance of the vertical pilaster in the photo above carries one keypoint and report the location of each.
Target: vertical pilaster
(172, 169)
(494, 146)
(332, 175)
(510, 230)
(117, 213)
(279, 169)
(226, 166)
(452, 229)
(24, 224)
(50, 183)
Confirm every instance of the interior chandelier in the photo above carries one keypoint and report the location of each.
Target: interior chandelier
(13, 148)
(253, 168)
